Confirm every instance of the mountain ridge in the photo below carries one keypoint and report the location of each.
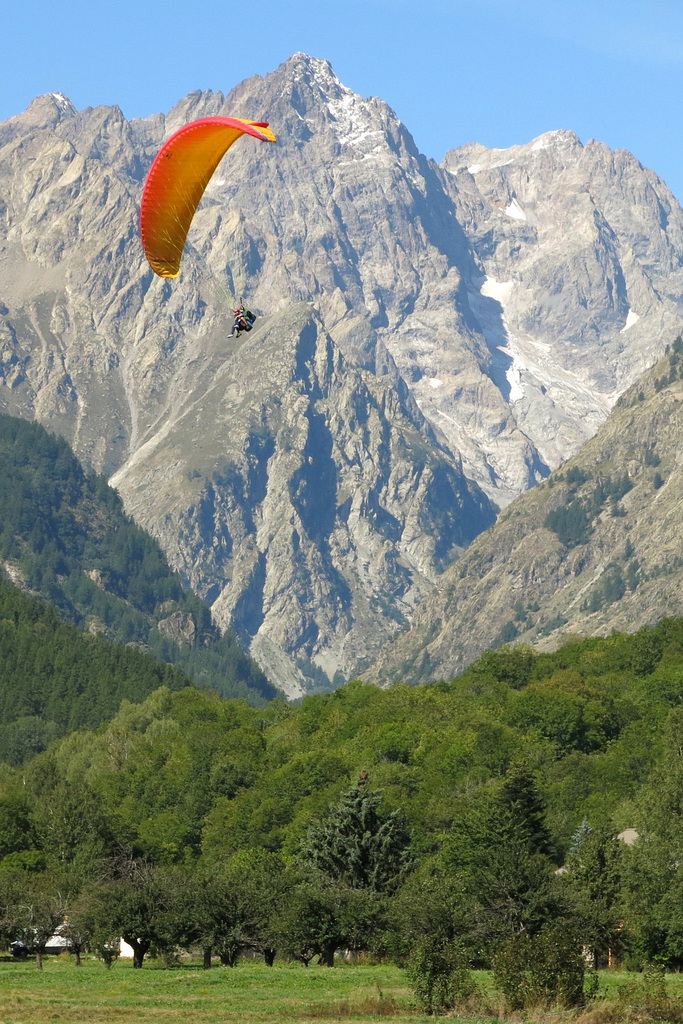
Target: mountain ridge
(354, 463)
(596, 547)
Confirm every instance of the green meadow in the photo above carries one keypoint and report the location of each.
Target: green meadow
(248, 993)
(252, 993)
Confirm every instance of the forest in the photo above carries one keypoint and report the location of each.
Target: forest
(55, 677)
(65, 537)
(158, 791)
(468, 824)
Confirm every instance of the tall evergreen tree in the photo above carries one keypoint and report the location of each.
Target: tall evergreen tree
(500, 851)
(653, 867)
(357, 845)
(526, 807)
(594, 887)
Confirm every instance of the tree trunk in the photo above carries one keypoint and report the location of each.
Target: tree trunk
(207, 958)
(39, 959)
(269, 956)
(78, 957)
(326, 958)
(139, 948)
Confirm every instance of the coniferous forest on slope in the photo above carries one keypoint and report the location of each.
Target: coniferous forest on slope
(64, 534)
(54, 677)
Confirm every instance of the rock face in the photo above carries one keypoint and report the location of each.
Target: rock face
(180, 628)
(581, 248)
(303, 496)
(596, 547)
(425, 325)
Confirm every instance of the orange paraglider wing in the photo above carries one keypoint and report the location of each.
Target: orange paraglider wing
(176, 182)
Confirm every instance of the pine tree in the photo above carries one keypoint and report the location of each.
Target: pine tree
(594, 888)
(653, 868)
(501, 851)
(357, 845)
(521, 799)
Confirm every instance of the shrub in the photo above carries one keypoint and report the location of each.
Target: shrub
(546, 969)
(507, 634)
(439, 974)
(571, 523)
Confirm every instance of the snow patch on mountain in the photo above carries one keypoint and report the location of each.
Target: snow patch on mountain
(498, 290)
(515, 211)
(631, 319)
(514, 378)
(546, 140)
(63, 101)
(354, 124)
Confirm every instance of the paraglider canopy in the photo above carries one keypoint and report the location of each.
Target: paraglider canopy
(176, 182)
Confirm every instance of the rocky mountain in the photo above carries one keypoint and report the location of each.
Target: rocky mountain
(595, 548)
(303, 496)
(582, 250)
(434, 341)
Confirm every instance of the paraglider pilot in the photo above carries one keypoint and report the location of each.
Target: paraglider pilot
(244, 320)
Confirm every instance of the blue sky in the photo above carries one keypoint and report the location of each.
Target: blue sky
(493, 71)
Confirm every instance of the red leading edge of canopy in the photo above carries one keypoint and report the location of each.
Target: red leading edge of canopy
(248, 127)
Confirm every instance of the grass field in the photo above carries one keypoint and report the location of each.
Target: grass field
(250, 993)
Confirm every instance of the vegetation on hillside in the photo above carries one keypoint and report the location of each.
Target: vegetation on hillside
(65, 537)
(458, 825)
(595, 547)
(55, 678)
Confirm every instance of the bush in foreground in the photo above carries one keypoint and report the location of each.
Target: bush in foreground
(642, 1001)
(440, 976)
(544, 970)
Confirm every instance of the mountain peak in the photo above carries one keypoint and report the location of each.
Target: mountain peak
(488, 322)
(558, 137)
(315, 76)
(302, 64)
(50, 108)
(476, 157)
